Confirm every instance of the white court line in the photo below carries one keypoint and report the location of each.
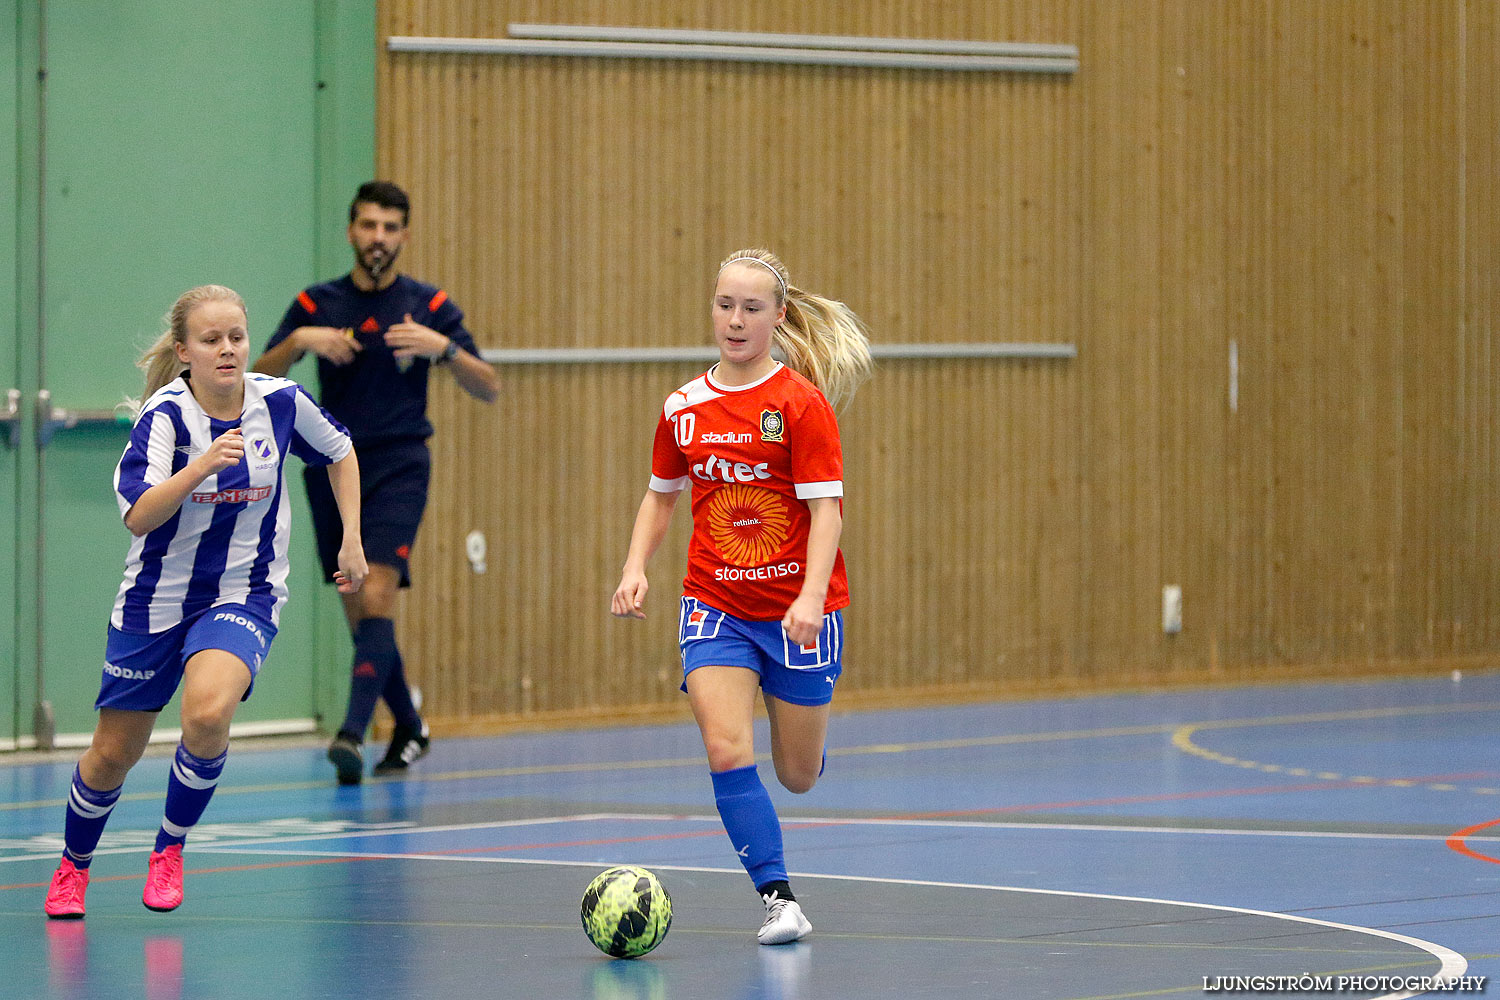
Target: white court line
(788, 822)
(792, 822)
(1452, 964)
(295, 838)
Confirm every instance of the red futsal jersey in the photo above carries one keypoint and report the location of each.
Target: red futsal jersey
(755, 454)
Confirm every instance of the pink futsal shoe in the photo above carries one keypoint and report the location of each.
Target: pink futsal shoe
(65, 897)
(164, 880)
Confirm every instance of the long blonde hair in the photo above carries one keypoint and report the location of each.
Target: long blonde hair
(820, 337)
(160, 363)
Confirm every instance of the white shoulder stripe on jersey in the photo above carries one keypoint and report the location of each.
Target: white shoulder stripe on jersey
(311, 423)
(677, 485)
(696, 391)
(271, 383)
(808, 491)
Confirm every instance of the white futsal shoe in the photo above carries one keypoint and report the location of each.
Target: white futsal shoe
(785, 921)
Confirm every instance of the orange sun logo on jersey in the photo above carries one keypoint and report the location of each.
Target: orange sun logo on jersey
(747, 524)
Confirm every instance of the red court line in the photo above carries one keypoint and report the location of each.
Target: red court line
(600, 842)
(717, 831)
(1122, 800)
(1456, 841)
(1215, 793)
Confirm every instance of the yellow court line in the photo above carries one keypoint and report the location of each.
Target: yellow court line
(1182, 739)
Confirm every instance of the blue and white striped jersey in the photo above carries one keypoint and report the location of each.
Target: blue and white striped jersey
(227, 543)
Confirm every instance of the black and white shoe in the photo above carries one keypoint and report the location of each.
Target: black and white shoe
(408, 745)
(785, 921)
(348, 760)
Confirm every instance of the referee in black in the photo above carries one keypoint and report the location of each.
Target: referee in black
(378, 335)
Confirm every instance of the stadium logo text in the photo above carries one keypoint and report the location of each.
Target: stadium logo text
(726, 437)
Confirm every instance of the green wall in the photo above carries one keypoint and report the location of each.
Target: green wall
(172, 143)
(9, 456)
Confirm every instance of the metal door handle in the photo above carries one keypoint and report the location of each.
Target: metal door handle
(51, 419)
(11, 418)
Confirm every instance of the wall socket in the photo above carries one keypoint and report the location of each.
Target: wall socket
(1171, 609)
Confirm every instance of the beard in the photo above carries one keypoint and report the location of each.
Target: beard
(377, 264)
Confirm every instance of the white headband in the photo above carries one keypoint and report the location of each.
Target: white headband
(757, 260)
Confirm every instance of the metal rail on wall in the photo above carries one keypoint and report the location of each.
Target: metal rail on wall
(760, 47)
(650, 355)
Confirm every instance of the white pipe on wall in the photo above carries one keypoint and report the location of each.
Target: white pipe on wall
(766, 39)
(730, 53)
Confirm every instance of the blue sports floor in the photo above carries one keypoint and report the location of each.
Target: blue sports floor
(1158, 845)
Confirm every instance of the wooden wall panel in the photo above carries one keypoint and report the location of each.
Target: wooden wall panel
(1479, 288)
(1120, 338)
(1310, 187)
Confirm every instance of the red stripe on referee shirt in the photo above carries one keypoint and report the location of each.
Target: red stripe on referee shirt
(307, 302)
(437, 300)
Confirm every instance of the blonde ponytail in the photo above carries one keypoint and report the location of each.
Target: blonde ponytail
(160, 363)
(822, 338)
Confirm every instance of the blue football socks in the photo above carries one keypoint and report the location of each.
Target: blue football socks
(190, 785)
(752, 824)
(83, 824)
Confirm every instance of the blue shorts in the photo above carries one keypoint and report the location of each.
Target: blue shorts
(800, 675)
(393, 480)
(142, 669)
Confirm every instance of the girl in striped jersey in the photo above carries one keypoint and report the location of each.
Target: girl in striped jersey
(758, 443)
(201, 486)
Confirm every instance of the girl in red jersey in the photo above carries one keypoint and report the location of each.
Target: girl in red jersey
(758, 442)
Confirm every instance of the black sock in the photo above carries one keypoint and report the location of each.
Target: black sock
(397, 696)
(782, 889)
(375, 656)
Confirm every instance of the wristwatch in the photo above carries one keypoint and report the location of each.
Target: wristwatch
(449, 353)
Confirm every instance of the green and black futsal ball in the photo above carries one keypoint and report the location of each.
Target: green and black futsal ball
(626, 911)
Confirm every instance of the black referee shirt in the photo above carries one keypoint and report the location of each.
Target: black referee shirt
(372, 396)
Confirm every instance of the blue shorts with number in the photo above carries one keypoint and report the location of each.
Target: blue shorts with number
(142, 670)
(802, 675)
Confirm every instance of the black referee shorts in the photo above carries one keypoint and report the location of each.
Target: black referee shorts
(393, 494)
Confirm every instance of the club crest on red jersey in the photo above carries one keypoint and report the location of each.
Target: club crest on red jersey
(771, 425)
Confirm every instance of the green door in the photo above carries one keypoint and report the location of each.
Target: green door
(179, 149)
(13, 499)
